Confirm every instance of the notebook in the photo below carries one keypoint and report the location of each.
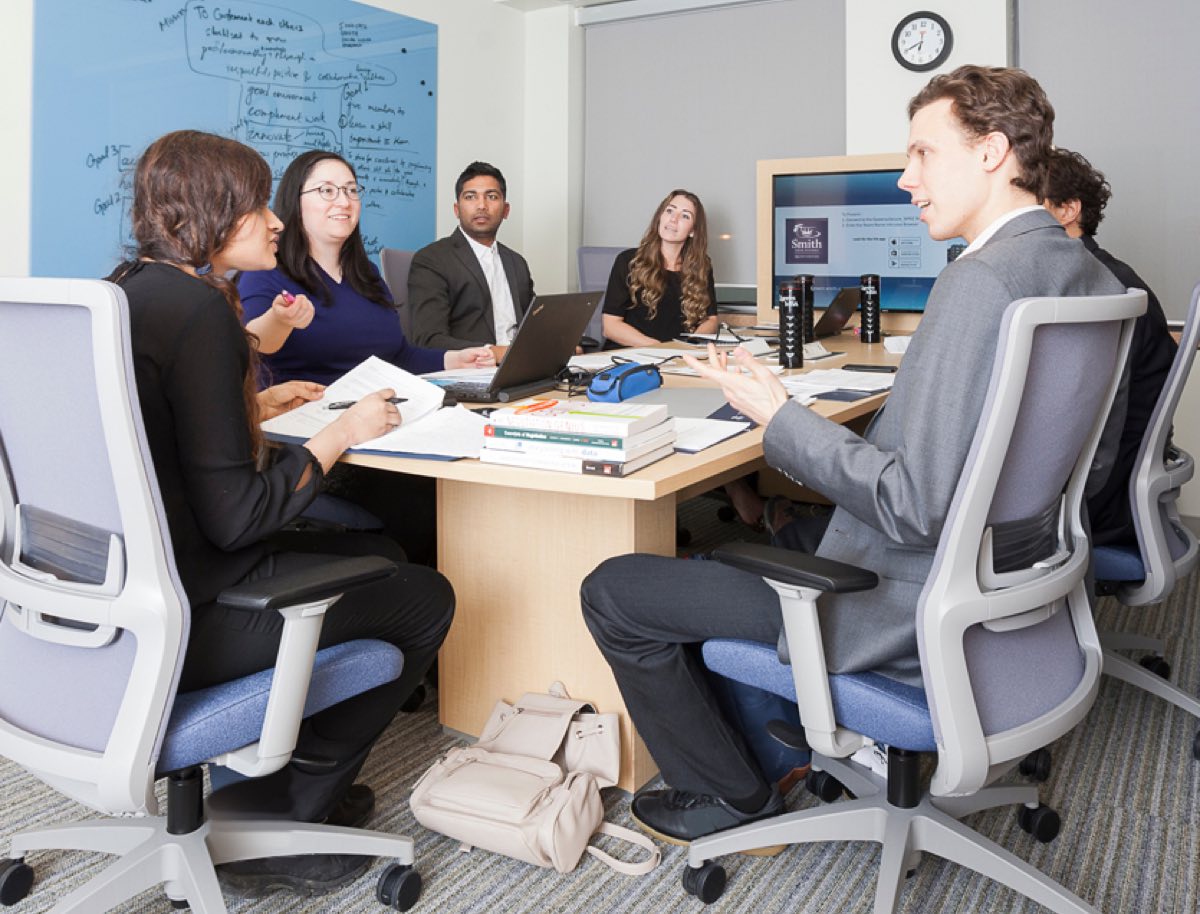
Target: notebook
(844, 304)
(546, 339)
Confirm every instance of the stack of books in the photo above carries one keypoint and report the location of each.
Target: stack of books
(603, 439)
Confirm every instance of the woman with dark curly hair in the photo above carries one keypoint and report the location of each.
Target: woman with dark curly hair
(200, 212)
(664, 287)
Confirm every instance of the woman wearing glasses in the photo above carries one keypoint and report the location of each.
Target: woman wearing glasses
(322, 260)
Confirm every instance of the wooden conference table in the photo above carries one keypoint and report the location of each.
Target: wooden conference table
(516, 544)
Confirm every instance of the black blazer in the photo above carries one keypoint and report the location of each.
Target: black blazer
(449, 303)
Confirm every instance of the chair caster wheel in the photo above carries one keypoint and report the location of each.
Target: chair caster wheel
(415, 700)
(1156, 665)
(399, 887)
(1043, 823)
(16, 879)
(823, 785)
(707, 882)
(1036, 765)
(726, 514)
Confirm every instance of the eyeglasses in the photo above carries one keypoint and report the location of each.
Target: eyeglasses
(330, 192)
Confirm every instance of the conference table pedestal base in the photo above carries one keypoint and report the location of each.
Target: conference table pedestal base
(518, 625)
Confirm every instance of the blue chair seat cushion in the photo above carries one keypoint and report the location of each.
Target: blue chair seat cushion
(878, 707)
(1117, 563)
(208, 722)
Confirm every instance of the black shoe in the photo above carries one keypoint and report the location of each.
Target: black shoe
(301, 874)
(354, 809)
(679, 817)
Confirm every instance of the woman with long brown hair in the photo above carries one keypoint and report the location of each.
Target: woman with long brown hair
(199, 212)
(664, 287)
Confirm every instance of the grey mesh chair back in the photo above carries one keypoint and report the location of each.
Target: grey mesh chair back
(1169, 549)
(396, 264)
(92, 617)
(595, 265)
(1010, 657)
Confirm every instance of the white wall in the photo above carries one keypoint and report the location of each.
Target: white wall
(878, 88)
(16, 94)
(483, 72)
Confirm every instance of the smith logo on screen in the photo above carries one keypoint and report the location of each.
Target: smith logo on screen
(808, 241)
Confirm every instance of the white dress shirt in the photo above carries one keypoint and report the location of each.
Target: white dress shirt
(504, 312)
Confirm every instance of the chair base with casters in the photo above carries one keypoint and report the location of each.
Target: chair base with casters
(893, 813)
(1149, 674)
(1120, 572)
(181, 848)
(250, 726)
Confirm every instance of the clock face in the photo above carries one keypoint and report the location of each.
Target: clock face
(922, 41)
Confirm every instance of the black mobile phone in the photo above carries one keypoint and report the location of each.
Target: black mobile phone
(886, 369)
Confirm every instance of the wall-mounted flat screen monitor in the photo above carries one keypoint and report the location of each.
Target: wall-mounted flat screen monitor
(836, 218)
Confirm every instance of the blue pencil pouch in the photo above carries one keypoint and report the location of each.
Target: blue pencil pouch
(622, 382)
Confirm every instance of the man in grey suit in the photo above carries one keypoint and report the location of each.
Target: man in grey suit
(467, 289)
(979, 141)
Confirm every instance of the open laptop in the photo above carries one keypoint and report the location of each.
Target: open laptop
(844, 304)
(546, 339)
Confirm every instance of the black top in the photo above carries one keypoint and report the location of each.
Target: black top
(667, 323)
(189, 358)
(1151, 353)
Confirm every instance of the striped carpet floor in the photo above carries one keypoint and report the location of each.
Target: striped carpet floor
(1124, 783)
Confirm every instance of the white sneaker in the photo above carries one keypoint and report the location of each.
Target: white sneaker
(873, 756)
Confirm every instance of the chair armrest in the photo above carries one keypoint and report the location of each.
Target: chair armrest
(307, 585)
(799, 579)
(302, 598)
(796, 568)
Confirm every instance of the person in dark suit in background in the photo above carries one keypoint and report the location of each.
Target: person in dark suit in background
(979, 142)
(467, 289)
(1076, 194)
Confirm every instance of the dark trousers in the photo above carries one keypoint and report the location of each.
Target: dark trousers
(649, 616)
(412, 610)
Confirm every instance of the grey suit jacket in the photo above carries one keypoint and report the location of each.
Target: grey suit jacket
(449, 303)
(893, 486)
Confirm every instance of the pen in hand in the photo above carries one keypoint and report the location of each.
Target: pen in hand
(346, 404)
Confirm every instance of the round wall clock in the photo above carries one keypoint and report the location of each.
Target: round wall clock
(922, 41)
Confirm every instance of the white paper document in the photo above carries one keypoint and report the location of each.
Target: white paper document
(591, 361)
(455, 432)
(694, 435)
(421, 399)
(840, 379)
(896, 345)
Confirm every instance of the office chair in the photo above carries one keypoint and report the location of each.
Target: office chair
(395, 265)
(595, 265)
(94, 624)
(1010, 658)
(1167, 550)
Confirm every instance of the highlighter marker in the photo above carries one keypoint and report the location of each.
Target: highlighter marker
(288, 296)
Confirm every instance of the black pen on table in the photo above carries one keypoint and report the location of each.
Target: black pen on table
(346, 404)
